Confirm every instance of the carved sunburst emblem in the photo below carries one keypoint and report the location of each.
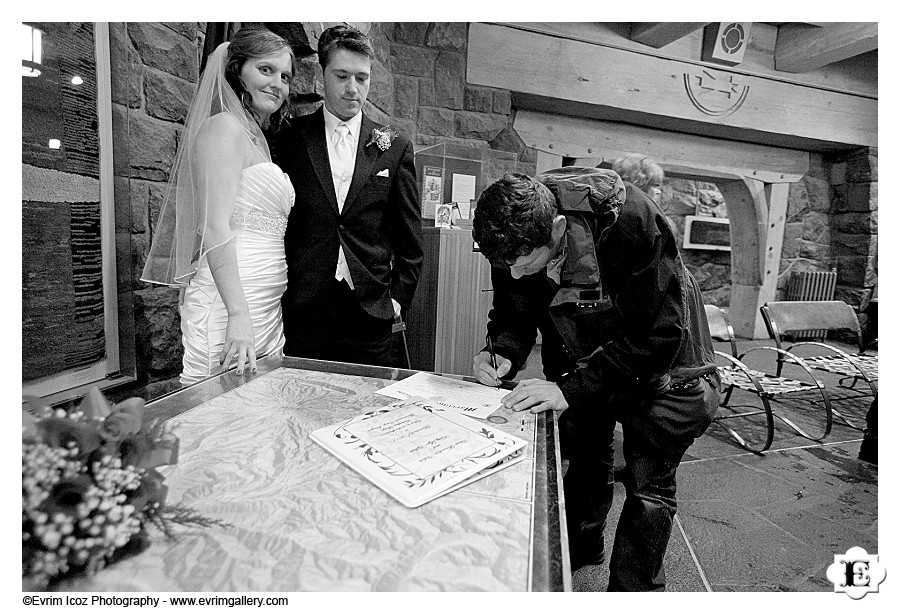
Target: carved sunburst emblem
(715, 94)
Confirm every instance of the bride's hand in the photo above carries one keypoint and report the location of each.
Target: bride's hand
(239, 344)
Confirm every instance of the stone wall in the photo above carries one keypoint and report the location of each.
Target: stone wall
(418, 86)
(854, 230)
(155, 69)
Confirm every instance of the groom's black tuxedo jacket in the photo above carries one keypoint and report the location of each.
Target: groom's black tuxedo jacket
(380, 227)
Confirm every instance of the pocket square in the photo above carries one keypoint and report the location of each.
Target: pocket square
(383, 173)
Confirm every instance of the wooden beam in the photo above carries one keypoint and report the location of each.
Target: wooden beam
(598, 81)
(682, 154)
(849, 76)
(660, 34)
(800, 47)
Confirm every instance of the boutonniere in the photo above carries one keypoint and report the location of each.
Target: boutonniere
(383, 137)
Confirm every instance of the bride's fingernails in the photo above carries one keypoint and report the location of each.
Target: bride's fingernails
(240, 372)
(253, 370)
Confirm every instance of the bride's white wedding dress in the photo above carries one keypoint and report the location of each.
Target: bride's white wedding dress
(264, 199)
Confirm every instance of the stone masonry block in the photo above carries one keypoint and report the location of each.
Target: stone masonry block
(126, 70)
(435, 121)
(815, 226)
(187, 29)
(406, 97)
(140, 247)
(156, 195)
(469, 125)
(858, 244)
(508, 140)
(381, 45)
(862, 166)
(426, 92)
(790, 247)
(158, 331)
(478, 99)
(406, 127)
(838, 173)
(410, 32)
(856, 223)
(860, 197)
(139, 198)
(448, 35)
(381, 90)
(164, 49)
(413, 61)
(817, 189)
(375, 114)
(167, 97)
(855, 271)
(305, 75)
(502, 101)
(151, 147)
(814, 251)
(449, 80)
(122, 200)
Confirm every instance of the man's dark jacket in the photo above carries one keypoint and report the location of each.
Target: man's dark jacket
(627, 317)
(380, 226)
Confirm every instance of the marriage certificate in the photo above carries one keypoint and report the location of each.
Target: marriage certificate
(417, 452)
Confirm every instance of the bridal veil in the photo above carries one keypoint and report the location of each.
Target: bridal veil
(182, 236)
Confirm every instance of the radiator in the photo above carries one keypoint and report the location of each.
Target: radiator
(811, 286)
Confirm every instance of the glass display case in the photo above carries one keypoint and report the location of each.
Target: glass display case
(455, 175)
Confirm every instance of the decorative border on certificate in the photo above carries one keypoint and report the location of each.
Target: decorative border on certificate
(416, 453)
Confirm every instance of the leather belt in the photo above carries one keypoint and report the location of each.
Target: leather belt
(688, 383)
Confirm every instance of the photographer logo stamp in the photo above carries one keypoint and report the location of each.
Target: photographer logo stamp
(856, 573)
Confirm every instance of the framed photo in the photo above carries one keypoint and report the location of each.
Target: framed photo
(443, 216)
(432, 189)
(702, 232)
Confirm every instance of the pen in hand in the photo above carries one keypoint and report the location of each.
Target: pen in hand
(490, 348)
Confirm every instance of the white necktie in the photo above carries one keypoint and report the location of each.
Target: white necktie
(342, 143)
(343, 150)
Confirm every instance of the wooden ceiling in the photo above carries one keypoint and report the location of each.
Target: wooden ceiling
(799, 47)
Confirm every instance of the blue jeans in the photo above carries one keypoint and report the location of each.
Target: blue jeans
(656, 434)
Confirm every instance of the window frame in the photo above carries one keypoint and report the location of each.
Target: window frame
(119, 352)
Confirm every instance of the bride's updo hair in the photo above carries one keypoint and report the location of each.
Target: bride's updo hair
(248, 43)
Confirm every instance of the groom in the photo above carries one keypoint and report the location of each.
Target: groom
(353, 241)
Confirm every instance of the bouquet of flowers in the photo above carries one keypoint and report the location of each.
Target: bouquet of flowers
(89, 485)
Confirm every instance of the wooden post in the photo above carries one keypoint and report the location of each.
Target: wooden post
(757, 212)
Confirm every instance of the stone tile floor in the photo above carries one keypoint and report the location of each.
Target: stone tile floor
(770, 522)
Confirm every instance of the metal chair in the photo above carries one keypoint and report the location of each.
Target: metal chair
(782, 317)
(766, 387)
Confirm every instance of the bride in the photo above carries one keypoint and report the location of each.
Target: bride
(220, 236)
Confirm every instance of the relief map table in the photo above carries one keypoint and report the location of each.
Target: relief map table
(300, 520)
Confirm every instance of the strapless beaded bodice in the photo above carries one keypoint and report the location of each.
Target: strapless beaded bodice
(264, 199)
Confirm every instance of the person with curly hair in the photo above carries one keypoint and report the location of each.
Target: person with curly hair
(643, 172)
(592, 263)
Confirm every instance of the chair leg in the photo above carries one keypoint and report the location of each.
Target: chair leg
(829, 412)
(770, 426)
(724, 402)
